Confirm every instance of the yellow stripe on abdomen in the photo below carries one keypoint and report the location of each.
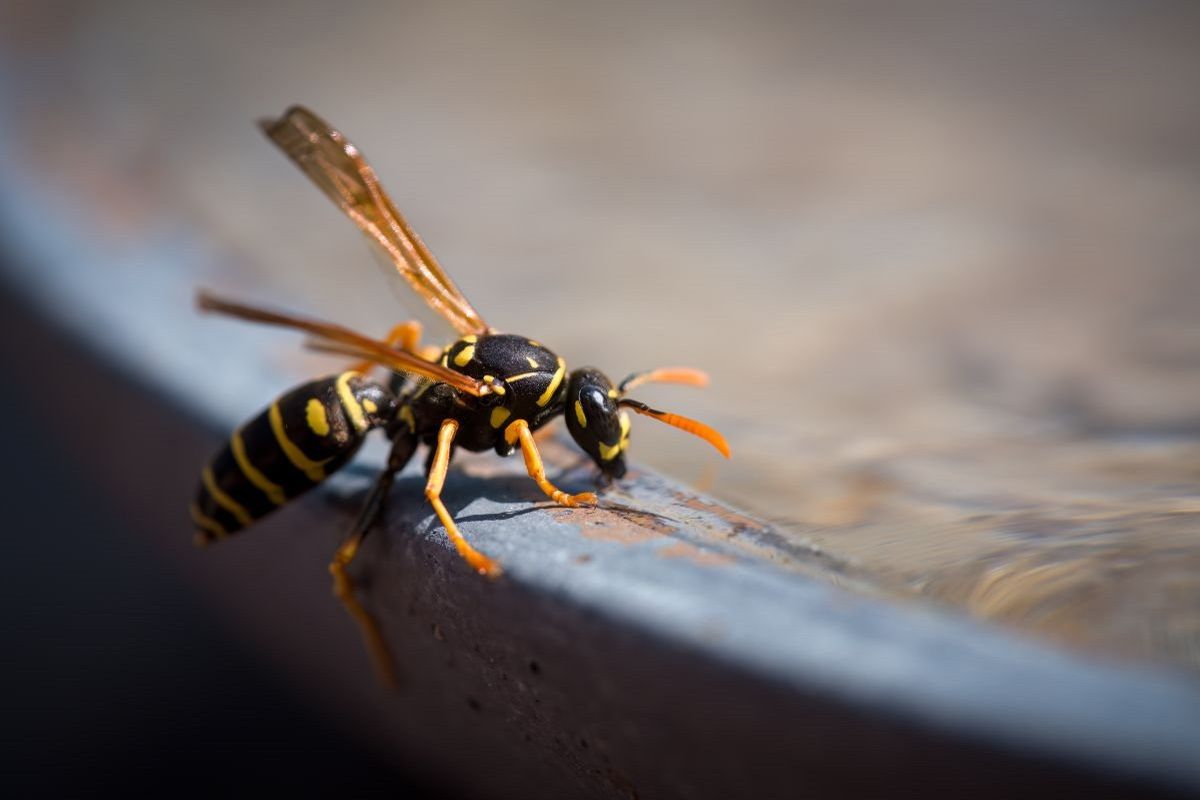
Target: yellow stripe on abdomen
(317, 418)
(273, 491)
(207, 523)
(224, 500)
(350, 402)
(313, 469)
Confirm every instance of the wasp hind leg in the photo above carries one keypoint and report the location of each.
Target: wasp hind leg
(343, 584)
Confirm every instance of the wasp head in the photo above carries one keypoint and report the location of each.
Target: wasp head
(598, 422)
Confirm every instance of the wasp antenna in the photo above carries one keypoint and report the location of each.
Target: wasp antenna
(692, 426)
(685, 375)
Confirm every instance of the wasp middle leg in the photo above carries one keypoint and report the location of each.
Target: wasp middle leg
(405, 335)
(433, 492)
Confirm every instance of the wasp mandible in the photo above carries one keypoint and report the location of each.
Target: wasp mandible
(486, 391)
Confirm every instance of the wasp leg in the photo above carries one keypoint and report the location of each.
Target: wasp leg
(519, 431)
(405, 335)
(343, 584)
(433, 491)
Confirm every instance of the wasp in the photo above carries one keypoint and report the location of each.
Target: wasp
(485, 391)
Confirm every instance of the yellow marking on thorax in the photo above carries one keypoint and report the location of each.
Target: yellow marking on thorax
(613, 394)
(369, 405)
(470, 339)
(350, 402)
(624, 418)
(554, 382)
(223, 500)
(313, 469)
(535, 344)
(465, 355)
(205, 522)
(579, 414)
(531, 361)
(490, 380)
(499, 414)
(314, 413)
(406, 416)
(608, 451)
(272, 490)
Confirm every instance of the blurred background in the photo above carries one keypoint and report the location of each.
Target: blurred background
(939, 257)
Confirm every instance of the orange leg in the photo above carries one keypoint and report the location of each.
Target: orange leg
(405, 335)
(343, 589)
(519, 431)
(343, 584)
(433, 491)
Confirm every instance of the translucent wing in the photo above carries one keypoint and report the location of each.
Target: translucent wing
(340, 171)
(345, 341)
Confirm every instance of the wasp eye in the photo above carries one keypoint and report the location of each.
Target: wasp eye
(593, 402)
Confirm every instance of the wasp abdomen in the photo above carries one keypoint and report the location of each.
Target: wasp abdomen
(294, 444)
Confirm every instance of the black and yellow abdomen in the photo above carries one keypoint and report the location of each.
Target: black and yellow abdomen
(294, 444)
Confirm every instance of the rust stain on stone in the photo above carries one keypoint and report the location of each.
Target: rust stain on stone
(704, 558)
(737, 521)
(624, 525)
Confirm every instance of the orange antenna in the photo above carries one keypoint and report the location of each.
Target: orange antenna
(684, 375)
(683, 423)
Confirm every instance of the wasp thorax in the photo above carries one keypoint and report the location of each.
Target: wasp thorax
(595, 420)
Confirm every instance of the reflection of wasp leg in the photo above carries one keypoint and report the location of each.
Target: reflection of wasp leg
(519, 431)
(343, 584)
(433, 491)
(405, 335)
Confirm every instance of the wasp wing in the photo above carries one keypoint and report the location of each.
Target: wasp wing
(340, 171)
(344, 340)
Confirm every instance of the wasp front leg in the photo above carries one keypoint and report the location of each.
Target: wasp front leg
(518, 432)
